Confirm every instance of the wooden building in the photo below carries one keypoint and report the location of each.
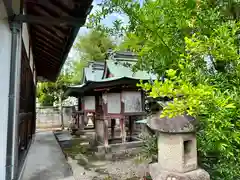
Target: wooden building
(114, 97)
(86, 106)
(36, 37)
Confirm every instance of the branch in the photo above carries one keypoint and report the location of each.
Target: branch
(146, 27)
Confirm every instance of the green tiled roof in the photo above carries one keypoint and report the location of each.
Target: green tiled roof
(123, 68)
(89, 85)
(93, 72)
(119, 77)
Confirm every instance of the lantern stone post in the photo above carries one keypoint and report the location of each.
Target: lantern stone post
(177, 150)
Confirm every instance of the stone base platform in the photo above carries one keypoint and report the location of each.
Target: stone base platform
(158, 174)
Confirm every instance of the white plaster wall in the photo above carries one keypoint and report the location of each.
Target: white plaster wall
(25, 37)
(114, 103)
(26, 42)
(89, 103)
(5, 54)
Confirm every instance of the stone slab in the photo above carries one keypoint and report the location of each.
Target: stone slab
(63, 136)
(46, 160)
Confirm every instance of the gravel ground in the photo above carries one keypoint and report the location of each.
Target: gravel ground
(110, 170)
(87, 166)
(125, 169)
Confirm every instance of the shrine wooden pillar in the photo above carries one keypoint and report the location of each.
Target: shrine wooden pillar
(113, 124)
(99, 123)
(131, 126)
(123, 131)
(79, 104)
(78, 115)
(105, 121)
(79, 121)
(121, 104)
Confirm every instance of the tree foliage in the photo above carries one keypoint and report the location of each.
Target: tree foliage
(194, 44)
(91, 47)
(50, 92)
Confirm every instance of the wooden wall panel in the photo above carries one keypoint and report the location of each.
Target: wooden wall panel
(132, 101)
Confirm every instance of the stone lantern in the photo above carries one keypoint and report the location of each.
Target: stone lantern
(177, 150)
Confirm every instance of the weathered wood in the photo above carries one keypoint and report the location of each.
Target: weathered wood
(49, 6)
(39, 10)
(48, 31)
(132, 101)
(113, 124)
(113, 103)
(106, 132)
(48, 20)
(123, 131)
(47, 53)
(46, 50)
(46, 61)
(51, 46)
(25, 115)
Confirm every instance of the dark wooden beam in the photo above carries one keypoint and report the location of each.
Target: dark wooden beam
(62, 30)
(41, 72)
(46, 53)
(44, 67)
(40, 42)
(47, 20)
(51, 34)
(65, 4)
(43, 60)
(78, 8)
(47, 38)
(48, 6)
(46, 71)
(53, 4)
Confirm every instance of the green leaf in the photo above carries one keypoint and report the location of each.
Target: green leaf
(232, 106)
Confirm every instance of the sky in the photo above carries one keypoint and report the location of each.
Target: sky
(108, 21)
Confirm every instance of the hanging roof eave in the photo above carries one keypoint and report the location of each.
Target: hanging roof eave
(89, 86)
(53, 27)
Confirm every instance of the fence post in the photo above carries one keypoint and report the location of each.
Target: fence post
(61, 112)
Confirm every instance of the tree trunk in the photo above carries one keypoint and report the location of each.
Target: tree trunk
(61, 112)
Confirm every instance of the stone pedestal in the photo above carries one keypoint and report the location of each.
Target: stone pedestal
(81, 122)
(123, 130)
(105, 129)
(158, 174)
(99, 129)
(177, 150)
